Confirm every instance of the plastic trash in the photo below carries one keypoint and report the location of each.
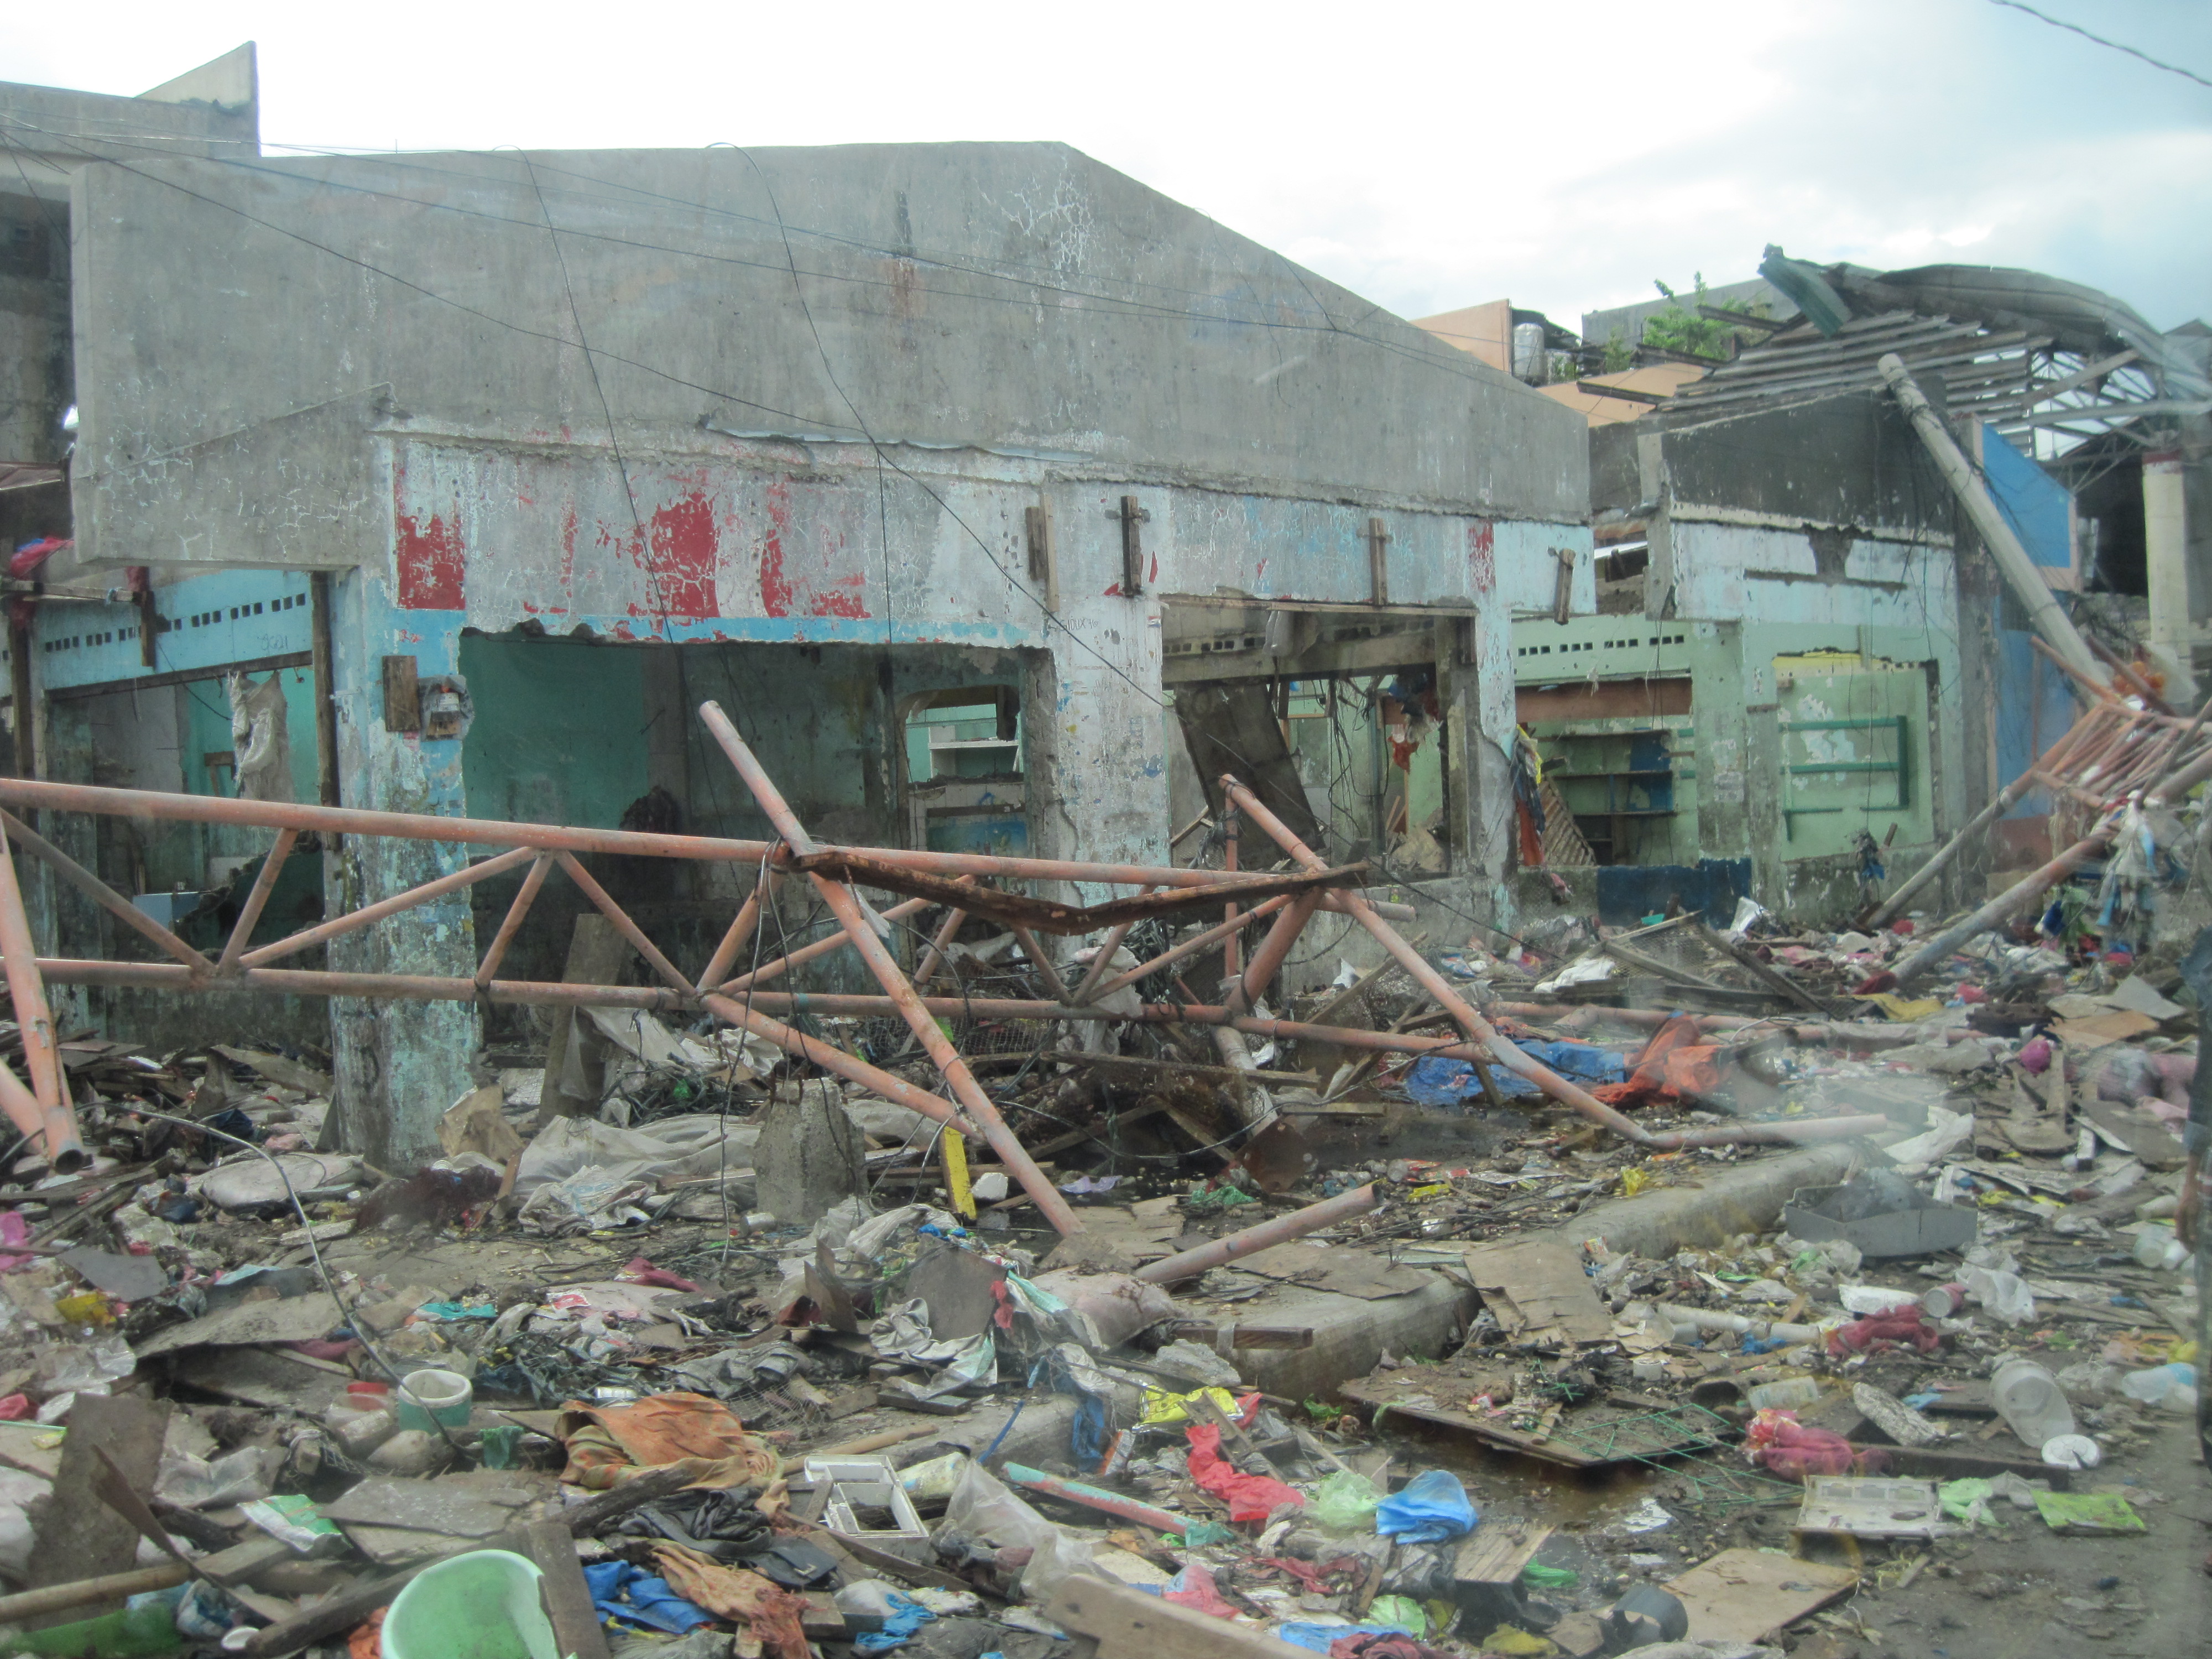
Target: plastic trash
(236, 1477)
(132, 1633)
(2072, 1451)
(1872, 1299)
(2030, 1401)
(2156, 1247)
(2005, 1295)
(2172, 1385)
(1432, 1506)
(1344, 1504)
(1644, 1615)
(425, 1395)
(982, 1507)
(934, 1480)
(482, 1605)
(1789, 1394)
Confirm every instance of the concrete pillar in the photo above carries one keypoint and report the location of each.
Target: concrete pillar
(811, 1155)
(2166, 564)
(398, 1066)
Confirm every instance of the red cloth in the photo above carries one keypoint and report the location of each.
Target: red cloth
(1249, 1496)
(27, 559)
(1776, 1441)
(641, 1272)
(1197, 1591)
(1879, 1333)
(1387, 1645)
(15, 1407)
(1313, 1576)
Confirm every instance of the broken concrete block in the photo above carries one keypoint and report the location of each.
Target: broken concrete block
(810, 1155)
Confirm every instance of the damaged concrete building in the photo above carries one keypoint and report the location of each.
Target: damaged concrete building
(951, 468)
(1804, 660)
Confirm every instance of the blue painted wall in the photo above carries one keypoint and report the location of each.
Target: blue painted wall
(2033, 704)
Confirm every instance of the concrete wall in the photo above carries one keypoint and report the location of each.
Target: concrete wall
(823, 389)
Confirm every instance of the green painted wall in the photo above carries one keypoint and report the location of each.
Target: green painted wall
(557, 733)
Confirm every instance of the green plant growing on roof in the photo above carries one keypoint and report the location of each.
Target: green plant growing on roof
(1618, 353)
(1687, 329)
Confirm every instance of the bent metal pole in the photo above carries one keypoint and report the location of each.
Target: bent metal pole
(1477, 1029)
(64, 1151)
(845, 905)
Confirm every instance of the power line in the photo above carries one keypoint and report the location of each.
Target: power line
(2116, 46)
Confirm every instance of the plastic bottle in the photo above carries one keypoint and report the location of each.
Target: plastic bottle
(2030, 1401)
(2157, 1247)
(2172, 1386)
(1789, 1394)
(359, 1424)
(133, 1633)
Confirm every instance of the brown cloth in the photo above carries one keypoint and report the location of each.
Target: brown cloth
(738, 1595)
(607, 1445)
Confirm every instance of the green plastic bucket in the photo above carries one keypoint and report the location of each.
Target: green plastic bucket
(482, 1605)
(424, 1394)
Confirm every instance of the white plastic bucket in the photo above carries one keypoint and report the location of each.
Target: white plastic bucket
(482, 1605)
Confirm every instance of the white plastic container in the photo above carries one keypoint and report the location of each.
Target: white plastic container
(2030, 1401)
(2157, 1247)
(2172, 1386)
(1789, 1394)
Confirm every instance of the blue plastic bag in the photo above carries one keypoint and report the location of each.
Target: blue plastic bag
(622, 1591)
(1432, 1507)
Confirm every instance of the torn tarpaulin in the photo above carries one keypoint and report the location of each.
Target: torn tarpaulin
(635, 1596)
(1436, 1080)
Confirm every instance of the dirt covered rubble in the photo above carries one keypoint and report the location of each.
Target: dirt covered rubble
(1578, 1425)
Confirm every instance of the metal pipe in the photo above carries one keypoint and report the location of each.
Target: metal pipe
(1232, 828)
(1192, 946)
(603, 903)
(821, 947)
(1728, 1324)
(34, 1023)
(851, 1067)
(1267, 960)
(2027, 889)
(147, 804)
(741, 929)
(1133, 1510)
(2043, 612)
(102, 895)
(257, 900)
(846, 906)
(939, 945)
(21, 1105)
(354, 920)
(1099, 963)
(1478, 1029)
(2010, 796)
(1232, 1247)
(525, 897)
(1046, 970)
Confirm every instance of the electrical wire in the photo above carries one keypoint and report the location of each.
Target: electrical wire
(351, 1317)
(2115, 46)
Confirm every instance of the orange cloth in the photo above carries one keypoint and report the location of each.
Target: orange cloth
(608, 1445)
(367, 1640)
(1677, 1064)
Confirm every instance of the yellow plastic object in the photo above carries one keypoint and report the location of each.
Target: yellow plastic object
(954, 1147)
(86, 1308)
(1435, 1189)
(1161, 1406)
(1633, 1181)
(482, 1605)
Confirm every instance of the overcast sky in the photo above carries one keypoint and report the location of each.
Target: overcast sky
(1427, 156)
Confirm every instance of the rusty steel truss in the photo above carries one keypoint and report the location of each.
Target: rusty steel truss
(956, 881)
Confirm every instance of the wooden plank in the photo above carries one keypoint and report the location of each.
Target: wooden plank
(1745, 958)
(1121, 1623)
(1748, 1595)
(81, 1537)
(403, 697)
(577, 1625)
(1495, 1553)
(1537, 1289)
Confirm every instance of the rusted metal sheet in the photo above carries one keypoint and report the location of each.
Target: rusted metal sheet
(1047, 916)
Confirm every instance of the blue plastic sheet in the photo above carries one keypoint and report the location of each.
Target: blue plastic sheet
(1431, 1507)
(1436, 1080)
(622, 1591)
(907, 1616)
(1317, 1637)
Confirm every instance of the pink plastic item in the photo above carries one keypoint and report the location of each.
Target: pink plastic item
(2035, 1055)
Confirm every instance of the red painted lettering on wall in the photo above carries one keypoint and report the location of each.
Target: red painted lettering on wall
(833, 602)
(776, 586)
(1481, 555)
(432, 565)
(681, 550)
